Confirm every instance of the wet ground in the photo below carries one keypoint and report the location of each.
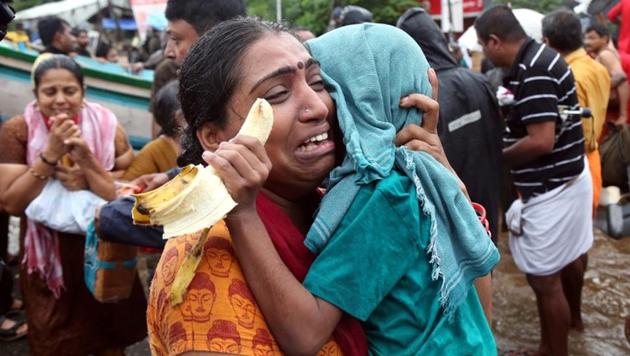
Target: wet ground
(606, 301)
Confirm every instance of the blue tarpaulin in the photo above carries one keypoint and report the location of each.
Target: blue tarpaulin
(125, 24)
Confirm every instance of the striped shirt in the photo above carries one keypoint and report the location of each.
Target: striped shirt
(542, 82)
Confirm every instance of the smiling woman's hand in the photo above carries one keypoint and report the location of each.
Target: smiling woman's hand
(72, 178)
(244, 166)
(62, 129)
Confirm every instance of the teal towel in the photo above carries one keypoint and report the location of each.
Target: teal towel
(368, 68)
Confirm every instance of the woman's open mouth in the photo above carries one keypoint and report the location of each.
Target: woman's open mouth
(315, 146)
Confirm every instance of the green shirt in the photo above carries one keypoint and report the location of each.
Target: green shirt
(375, 268)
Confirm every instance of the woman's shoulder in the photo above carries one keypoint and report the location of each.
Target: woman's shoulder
(156, 146)
(218, 230)
(391, 203)
(15, 128)
(162, 152)
(14, 137)
(218, 307)
(16, 124)
(395, 190)
(105, 116)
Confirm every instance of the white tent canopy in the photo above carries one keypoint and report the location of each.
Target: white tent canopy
(75, 12)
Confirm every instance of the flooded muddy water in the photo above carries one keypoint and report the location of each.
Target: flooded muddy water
(606, 302)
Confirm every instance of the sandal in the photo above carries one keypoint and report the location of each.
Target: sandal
(15, 315)
(14, 332)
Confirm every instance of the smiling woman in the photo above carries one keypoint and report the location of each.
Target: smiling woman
(62, 137)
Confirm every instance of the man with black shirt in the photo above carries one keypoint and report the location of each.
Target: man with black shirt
(55, 35)
(550, 225)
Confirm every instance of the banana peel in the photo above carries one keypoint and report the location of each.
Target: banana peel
(186, 271)
(195, 200)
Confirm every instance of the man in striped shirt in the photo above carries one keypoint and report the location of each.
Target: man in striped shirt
(550, 225)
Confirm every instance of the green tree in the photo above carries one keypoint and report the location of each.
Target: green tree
(312, 14)
(385, 11)
(262, 8)
(26, 4)
(315, 14)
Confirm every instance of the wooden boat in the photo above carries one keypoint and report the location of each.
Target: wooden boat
(111, 85)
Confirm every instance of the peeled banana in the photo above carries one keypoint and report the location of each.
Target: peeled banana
(197, 198)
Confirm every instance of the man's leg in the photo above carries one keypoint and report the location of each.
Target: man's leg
(543, 349)
(572, 282)
(554, 313)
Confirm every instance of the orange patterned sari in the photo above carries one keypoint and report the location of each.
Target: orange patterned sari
(219, 312)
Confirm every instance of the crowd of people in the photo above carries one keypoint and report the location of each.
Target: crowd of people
(366, 224)
(55, 35)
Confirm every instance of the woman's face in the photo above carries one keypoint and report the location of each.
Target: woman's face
(59, 92)
(301, 145)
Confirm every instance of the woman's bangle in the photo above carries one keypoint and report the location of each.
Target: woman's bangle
(37, 175)
(481, 214)
(45, 160)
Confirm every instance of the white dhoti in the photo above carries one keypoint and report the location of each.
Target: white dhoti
(551, 230)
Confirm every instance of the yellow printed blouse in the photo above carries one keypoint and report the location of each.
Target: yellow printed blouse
(219, 312)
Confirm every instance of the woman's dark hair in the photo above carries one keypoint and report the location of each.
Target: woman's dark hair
(56, 61)
(210, 74)
(165, 106)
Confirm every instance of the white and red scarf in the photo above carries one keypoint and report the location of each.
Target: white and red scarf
(98, 129)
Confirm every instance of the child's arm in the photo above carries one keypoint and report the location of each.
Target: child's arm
(124, 151)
